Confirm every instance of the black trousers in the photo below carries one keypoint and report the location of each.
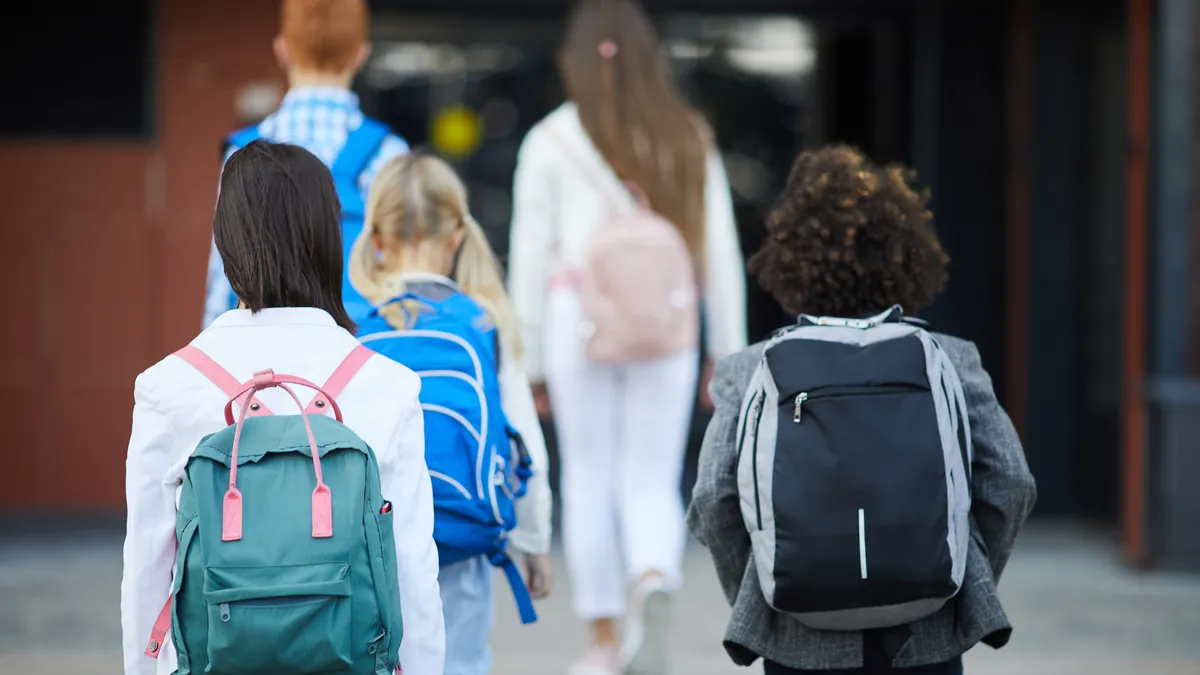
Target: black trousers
(875, 662)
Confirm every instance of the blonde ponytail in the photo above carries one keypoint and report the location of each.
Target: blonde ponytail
(372, 282)
(478, 273)
(367, 274)
(417, 199)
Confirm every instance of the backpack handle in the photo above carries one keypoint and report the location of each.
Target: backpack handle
(279, 381)
(322, 500)
(893, 315)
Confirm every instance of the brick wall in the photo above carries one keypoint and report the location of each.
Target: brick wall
(103, 248)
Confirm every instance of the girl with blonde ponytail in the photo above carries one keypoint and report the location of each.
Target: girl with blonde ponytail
(421, 253)
(417, 221)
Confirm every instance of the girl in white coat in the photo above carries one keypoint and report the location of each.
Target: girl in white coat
(622, 429)
(278, 231)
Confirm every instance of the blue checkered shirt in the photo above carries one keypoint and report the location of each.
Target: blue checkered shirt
(318, 119)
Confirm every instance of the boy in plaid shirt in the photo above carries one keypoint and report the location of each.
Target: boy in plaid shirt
(321, 46)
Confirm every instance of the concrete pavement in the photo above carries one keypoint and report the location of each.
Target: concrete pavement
(1075, 610)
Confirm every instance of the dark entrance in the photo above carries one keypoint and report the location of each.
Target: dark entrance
(769, 84)
(932, 83)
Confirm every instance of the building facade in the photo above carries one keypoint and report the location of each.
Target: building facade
(1061, 139)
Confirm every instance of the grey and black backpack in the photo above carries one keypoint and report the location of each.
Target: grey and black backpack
(854, 459)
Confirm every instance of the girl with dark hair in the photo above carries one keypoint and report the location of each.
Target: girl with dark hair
(277, 228)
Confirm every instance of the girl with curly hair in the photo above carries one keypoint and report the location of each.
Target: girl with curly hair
(852, 239)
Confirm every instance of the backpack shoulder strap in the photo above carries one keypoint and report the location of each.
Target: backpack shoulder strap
(361, 147)
(893, 315)
(520, 593)
(587, 170)
(241, 138)
(340, 378)
(217, 375)
(227, 383)
(158, 633)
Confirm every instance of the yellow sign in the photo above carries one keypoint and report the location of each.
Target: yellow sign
(457, 131)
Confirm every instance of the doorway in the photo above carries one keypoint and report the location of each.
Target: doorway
(770, 85)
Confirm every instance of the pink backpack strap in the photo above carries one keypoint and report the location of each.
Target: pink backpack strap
(217, 375)
(340, 378)
(159, 632)
(590, 174)
(597, 179)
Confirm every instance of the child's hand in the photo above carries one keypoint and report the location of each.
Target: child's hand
(539, 575)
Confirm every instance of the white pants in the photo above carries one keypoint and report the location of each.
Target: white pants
(622, 433)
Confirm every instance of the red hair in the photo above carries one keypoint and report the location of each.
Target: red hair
(324, 35)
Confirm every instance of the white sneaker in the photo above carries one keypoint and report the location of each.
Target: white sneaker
(644, 650)
(596, 661)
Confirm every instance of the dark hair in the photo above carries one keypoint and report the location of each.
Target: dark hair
(278, 230)
(850, 239)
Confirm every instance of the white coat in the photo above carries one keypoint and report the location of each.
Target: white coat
(557, 209)
(175, 406)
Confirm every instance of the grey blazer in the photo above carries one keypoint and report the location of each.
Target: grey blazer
(1003, 490)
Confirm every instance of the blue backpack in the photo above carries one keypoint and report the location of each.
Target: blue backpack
(361, 147)
(478, 462)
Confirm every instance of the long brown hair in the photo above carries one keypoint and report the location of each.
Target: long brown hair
(633, 112)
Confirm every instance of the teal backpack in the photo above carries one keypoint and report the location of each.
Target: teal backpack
(286, 562)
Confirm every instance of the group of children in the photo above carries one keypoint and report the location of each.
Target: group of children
(329, 235)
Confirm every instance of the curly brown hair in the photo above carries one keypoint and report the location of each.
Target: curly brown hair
(850, 239)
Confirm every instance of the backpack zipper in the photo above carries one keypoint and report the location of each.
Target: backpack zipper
(746, 428)
(844, 392)
(494, 480)
(758, 411)
(225, 611)
(800, 399)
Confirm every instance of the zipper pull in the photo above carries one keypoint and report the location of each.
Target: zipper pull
(800, 399)
(224, 611)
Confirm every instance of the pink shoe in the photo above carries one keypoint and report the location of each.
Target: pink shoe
(597, 660)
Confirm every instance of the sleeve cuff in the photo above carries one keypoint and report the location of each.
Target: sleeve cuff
(530, 542)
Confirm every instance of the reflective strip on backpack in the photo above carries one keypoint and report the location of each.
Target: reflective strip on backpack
(478, 366)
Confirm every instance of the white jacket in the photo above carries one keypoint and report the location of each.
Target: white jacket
(175, 406)
(553, 198)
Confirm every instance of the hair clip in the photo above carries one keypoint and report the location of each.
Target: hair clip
(608, 49)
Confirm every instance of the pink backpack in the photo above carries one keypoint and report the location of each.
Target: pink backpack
(638, 289)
